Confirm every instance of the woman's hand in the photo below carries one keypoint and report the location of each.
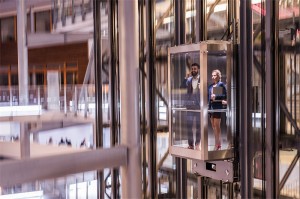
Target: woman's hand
(213, 97)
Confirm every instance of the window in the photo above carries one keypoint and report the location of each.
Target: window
(42, 21)
(8, 29)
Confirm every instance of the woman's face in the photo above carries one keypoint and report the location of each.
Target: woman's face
(215, 77)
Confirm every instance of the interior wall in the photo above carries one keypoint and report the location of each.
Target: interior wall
(53, 54)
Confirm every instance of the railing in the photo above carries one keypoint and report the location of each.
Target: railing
(70, 8)
(69, 99)
(80, 185)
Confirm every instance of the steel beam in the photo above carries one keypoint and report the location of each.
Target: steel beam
(98, 88)
(272, 105)
(151, 72)
(244, 102)
(49, 167)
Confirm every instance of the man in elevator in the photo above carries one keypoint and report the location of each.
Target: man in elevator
(193, 106)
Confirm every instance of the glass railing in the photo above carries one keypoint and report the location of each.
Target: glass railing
(69, 99)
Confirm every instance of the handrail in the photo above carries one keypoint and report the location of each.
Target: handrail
(60, 165)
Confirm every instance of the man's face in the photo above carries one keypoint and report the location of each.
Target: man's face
(194, 71)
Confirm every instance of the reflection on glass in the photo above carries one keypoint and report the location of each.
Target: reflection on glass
(217, 98)
(219, 137)
(216, 19)
(185, 100)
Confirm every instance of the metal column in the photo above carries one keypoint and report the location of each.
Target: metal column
(98, 90)
(201, 35)
(22, 52)
(181, 164)
(151, 72)
(271, 148)
(114, 94)
(201, 30)
(144, 129)
(244, 101)
(129, 94)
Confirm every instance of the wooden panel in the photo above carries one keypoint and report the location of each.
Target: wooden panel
(9, 54)
(53, 54)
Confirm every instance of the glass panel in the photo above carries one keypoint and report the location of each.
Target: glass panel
(190, 19)
(258, 103)
(289, 166)
(36, 79)
(217, 99)
(71, 78)
(185, 99)
(28, 23)
(14, 79)
(8, 29)
(164, 16)
(42, 21)
(4, 79)
(289, 93)
(216, 19)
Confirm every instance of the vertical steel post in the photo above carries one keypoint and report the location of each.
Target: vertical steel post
(98, 90)
(129, 95)
(201, 30)
(180, 37)
(272, 154)
(244, 105)
(22, 52)
(143, 96)
(151, 72)
(114, 85)
(201, 35)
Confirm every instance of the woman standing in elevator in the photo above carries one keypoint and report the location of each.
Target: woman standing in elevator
(216, 93)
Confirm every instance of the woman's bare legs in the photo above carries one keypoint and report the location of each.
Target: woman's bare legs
(216, 125)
